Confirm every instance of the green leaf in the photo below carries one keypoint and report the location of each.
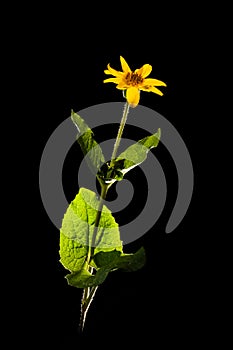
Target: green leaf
(84, 279)
(77, 231)
(137, 153)
(132, 262)
(119, 260)
(106, 258)
(89, 146)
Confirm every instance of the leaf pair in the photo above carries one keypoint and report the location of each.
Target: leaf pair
(109, 172)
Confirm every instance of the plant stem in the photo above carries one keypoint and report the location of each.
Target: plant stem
(85, 305)
(89, 292)
(104, 190)
(120, 131)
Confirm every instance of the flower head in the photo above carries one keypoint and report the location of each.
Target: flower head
(133, 82)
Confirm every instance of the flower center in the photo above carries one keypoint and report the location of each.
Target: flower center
(133, 79)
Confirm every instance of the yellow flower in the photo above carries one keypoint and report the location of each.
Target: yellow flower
(133, 82)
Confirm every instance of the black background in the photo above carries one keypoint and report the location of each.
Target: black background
(62, 66)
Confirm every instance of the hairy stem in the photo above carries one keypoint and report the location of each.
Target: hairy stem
(85, 305)
(120, 131)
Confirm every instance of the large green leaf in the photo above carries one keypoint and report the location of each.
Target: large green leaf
(89, 146)
(77, 229)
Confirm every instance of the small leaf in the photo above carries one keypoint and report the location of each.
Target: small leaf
(84, 279)
(77, 230)
(118, 260)
(79, 279)
(132, 262)
(137, 153)
(89, 146)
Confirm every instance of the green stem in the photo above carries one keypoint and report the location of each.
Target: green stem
(89, 292)
(104, 190)
(120, 132)
(85, 305)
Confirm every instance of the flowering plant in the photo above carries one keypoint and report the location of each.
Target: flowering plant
(90, 242)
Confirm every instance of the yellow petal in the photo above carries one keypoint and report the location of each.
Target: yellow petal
(112, 80)
(122, 86)
(151, 89)
(153, 82)
(132, 96)
(124, 65)
(144, 71)
(107, 72)
(112, 71)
